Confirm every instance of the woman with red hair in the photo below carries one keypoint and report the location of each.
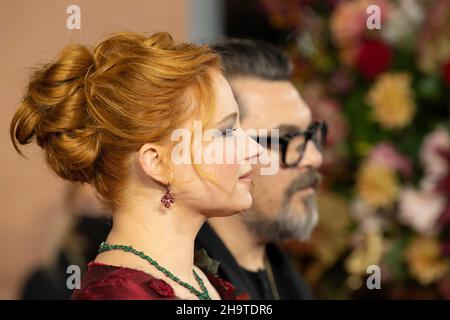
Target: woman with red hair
(106, 118)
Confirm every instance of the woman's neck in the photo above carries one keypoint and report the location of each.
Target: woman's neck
(166, 235)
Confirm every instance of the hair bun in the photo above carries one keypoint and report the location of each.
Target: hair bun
(91, 111)
(54, 111)
(73, 154)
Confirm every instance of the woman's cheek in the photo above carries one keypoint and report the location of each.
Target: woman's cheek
(225, 175)
(226, 167)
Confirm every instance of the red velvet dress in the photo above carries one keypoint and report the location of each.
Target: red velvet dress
(106, 282)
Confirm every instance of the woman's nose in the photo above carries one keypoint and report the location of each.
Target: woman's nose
(253, 148)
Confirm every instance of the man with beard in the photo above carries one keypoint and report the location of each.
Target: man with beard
(284, 204)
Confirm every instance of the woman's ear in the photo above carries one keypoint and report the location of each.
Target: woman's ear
(151, 162)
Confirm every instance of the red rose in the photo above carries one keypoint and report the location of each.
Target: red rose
(161, 287)
(373, 57)
(446, 72)
(226, 289)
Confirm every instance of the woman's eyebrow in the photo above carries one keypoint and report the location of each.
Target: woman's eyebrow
(232, 115)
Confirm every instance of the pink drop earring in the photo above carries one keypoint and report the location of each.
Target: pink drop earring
(167, 199)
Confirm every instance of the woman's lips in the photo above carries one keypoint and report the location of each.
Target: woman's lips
(246, 177)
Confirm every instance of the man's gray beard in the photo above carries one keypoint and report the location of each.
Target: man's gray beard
(287, 225)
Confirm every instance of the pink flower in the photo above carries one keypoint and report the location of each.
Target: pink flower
(348, 20)
(331, 111)
(435, 165)
(444, 220)
(420, 209)
(434, 38)
(385, 154)
(326, 109)
(443, 186)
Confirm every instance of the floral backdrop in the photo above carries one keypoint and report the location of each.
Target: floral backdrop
(385, 94)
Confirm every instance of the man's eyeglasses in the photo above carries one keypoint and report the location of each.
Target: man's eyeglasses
(293, 144)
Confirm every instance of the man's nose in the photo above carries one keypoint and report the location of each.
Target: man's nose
(312, 157)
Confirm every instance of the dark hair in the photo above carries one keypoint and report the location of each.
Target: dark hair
(253, 58)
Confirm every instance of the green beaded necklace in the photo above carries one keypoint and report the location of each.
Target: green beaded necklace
(204, 295)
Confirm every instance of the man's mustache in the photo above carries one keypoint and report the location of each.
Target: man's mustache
(309, 179)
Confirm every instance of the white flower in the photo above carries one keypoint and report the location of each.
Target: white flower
(435, 165)
(420, 209)
(366, 216)
(404, 19)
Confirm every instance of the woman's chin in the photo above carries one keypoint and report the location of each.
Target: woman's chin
(244, 203)
(240, 202)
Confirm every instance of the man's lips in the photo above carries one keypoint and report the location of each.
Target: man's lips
(306, 190)
(309, 186)
(310, 189)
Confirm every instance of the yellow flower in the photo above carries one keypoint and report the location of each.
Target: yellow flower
(392, 100)
(425, 261)
(330, 240)
(369, 252)
(377, 185)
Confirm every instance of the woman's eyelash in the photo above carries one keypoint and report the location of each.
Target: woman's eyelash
(228, 132)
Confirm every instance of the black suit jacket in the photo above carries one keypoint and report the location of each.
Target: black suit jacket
(289, 282)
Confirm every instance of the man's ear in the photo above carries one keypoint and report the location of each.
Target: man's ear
(151, 162)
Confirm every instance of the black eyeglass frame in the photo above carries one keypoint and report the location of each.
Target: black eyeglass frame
(310, 134)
